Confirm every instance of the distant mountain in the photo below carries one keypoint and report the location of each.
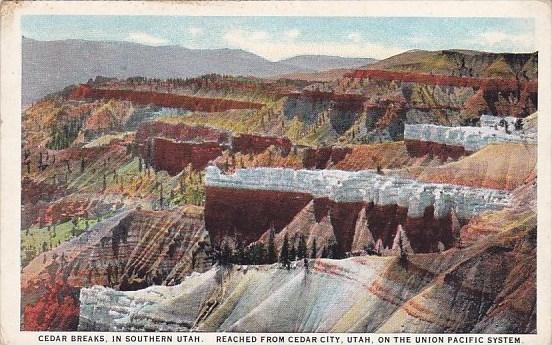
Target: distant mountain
(49, 66)
(463, 63)
(324, 62)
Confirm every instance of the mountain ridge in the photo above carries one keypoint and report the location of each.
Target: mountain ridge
(49, 66)
(462, 62)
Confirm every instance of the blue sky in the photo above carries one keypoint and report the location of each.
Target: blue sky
(280, 37)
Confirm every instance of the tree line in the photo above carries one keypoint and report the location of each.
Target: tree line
(259, 253)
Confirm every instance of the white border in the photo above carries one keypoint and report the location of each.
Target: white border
(10, 110)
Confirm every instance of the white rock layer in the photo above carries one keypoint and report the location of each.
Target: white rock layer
(472, 139)
(366, 186)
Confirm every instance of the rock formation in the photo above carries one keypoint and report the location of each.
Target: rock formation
(179, 132)
(173, 156)
(248, 202)
(436, 79)
(164, 99)
(421, 139)
(496, 166)
(487, 286)
(363, 238)
(130, 250)
(449, 292)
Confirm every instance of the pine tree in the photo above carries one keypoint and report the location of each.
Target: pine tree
(333, 251)
(262, 254)
(239, 258)
(253, 254)
(271, 248)
(302, 248)
(226, 254)
(284, 252)
(247, 255)
(258, 254)
(324, 252)
(161, 199)
(293, 252)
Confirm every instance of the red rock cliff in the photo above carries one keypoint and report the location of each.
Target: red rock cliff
(250, 143)
(433, 79)
(173, 156)
(322, 157)
(248, 214)
(418, 148)
(165, 99)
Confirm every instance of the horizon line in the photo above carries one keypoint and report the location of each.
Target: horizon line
(279, 60)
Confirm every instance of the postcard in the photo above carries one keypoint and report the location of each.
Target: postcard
(364, 172)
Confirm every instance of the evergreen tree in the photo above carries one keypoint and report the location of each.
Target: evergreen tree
(240, 254)
(271, 248)
(292, 252)
(247, 255)
(258, 254)
(262, 254)
(324, 252)
(226, 254)
(302, 248)
(333, 252)
(161, 199)
(284, 252)
(253, 254)
(518, 125)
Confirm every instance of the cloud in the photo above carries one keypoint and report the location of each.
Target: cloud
(506, 41)
(195, 31)
(145, 38)
(277, 47)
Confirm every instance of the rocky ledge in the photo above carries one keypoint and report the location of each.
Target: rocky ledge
(366, 187)
(493, 130)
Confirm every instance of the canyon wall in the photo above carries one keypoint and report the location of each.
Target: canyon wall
(322, 157)
(173, 156)
(250, 143)
(247, 203)
(449, 292)
(164, 99)
(131, 250)
(417, 293)
(427, 138)
(172, 147)
(179, 131)
(493, 84)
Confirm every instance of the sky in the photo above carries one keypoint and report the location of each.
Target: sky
(276, 38)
